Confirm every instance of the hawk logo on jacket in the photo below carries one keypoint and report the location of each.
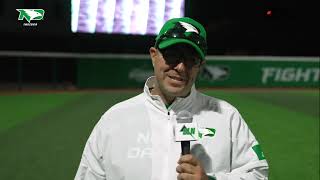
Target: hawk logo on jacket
(206, 132)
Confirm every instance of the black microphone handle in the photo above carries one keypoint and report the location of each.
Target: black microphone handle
(185, 147)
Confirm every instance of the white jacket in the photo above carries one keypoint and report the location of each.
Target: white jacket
(134, 140)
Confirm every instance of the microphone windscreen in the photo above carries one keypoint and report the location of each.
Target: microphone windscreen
(184, 117)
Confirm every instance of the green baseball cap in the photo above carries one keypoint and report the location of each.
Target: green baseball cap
(183, 30)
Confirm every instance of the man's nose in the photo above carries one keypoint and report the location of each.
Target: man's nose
(181, 66)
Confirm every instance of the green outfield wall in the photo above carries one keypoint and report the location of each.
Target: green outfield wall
(129, 71)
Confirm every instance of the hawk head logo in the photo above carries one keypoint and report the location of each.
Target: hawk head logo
(30, 14)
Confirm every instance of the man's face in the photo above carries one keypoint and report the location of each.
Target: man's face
(176, 69)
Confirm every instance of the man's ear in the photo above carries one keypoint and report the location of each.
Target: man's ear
(153, 54)
(201, 67)
(203, 63)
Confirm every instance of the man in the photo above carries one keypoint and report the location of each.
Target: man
(135, 140)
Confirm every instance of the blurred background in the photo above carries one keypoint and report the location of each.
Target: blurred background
(63, 63)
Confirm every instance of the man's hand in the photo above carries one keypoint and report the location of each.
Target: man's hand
(189, 168)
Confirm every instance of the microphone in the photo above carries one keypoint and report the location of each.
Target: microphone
(185, 131)
(185, 147)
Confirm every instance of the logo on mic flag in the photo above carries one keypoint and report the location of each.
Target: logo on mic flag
(186, 132)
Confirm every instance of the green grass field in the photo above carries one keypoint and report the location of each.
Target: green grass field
(42, 135)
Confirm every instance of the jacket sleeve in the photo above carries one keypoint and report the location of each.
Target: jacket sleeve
(91, 166)
(247, 161)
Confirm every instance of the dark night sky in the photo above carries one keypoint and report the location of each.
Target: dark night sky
(234, 28)
(245, 27)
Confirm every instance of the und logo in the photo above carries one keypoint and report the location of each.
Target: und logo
(215, 73)
(30, 15)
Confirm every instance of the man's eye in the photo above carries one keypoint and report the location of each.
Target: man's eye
(197, 61)
(171, 54)
(172, 60)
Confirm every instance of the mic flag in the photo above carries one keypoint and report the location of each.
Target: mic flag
(185, 130)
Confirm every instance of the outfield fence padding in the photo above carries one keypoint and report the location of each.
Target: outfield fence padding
(131, 71)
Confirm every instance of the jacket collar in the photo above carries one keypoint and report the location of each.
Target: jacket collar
(180, 103)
